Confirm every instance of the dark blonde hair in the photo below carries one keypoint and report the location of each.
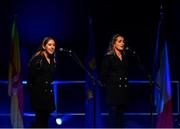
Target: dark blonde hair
(110, 50)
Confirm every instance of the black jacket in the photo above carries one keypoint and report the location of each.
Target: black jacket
(115, 80)
(40, 80)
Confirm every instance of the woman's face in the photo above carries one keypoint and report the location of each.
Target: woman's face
(50, 47)
(119, 43)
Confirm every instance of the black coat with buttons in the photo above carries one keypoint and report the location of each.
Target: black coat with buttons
(114, 79)
(40, 80)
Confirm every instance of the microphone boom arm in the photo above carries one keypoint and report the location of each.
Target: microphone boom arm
(78, 61)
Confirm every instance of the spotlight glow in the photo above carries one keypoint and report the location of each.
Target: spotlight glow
(58, 121)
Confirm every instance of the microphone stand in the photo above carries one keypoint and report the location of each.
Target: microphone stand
(150, 83)
(95, 81)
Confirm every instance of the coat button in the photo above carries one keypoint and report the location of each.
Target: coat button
(120, 78)
(125, 78)
(125, 85)
(119, 85)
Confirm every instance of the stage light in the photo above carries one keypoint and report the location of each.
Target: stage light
(58, 121)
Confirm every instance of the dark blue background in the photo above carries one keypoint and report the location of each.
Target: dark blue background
(67, 22)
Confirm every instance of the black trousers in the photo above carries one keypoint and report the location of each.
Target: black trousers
(116, 117)
(41, 119)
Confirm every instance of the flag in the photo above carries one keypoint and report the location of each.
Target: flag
(156, 58)
(15, 89)
(92, 105)
(164, 101)
(161, 76)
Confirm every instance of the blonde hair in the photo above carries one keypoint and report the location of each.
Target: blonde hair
(110, 50)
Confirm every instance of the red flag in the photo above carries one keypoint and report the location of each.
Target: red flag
(15, 89)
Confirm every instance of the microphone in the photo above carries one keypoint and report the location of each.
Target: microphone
(131, 50)
(65, 50)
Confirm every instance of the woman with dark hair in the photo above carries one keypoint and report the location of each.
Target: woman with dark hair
(40, 78)
(115, 81)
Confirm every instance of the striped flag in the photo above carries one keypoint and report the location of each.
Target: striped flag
(15, 89)
(164, 101)
(161, 74)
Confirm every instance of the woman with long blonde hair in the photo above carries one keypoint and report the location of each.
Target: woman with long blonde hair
(115, 80)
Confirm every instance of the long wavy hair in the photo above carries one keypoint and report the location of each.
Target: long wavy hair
(110, 50)
(40, 51)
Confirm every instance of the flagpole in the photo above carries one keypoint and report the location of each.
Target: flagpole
(94, 80)
(142, 67)
(94, 96)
